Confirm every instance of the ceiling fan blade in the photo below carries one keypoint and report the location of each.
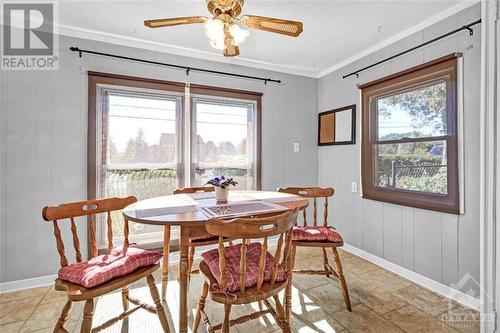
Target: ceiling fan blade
(168, 22)
(279, 26)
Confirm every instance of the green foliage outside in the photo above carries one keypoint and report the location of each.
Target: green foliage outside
(435, 184)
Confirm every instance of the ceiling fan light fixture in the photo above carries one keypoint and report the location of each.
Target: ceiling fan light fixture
(214, 30)
(239, 34)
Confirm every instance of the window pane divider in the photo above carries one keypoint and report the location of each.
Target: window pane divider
(411, 140)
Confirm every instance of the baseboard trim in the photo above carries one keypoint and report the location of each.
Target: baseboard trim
(42, 281)
(419, 279)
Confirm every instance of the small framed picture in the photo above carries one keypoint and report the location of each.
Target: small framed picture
(337, 127)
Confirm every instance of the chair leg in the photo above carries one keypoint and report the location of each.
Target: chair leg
(125, 298)
(225, 323)
(288, 288)
(285, 327)
(166, 254)
(340, 273)
(201, 306)
(156, 299)
(88, 313)
(325, 261)
(64, 316)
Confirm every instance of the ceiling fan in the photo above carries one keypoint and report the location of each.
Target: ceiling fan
(226, 31)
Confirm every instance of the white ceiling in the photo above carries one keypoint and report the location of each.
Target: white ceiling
(334, 31)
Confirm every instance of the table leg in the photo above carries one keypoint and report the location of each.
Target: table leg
(183, 279)
(166, 254)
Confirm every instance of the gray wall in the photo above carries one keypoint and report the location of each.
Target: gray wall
(440, 246)
(44, 147)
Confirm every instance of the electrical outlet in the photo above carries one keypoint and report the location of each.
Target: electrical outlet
(296, 147)
(354, 187)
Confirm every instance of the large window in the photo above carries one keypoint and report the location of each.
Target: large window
(409, 149)
(147, 138)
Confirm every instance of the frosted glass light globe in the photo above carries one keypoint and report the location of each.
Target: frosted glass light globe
(239, 34)
(214, 30)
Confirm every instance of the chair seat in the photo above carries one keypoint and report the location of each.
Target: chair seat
(98, 270)
(233, 255)
(78, 293)
(316, 234)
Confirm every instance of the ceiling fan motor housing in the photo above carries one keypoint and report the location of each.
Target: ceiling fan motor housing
(229, 7)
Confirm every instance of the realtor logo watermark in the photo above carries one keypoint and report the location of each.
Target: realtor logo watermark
(462, 318)
(29, 39)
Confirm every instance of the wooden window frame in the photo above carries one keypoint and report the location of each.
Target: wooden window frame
(445, 67)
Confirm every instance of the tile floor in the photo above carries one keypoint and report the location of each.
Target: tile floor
(381, 300)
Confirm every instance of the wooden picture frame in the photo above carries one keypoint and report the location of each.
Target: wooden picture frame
(330, 128)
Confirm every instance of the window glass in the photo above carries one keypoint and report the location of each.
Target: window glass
(415, 113)
(140, 150)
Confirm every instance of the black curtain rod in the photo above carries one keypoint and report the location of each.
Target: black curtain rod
(186, 68)
(465, 27)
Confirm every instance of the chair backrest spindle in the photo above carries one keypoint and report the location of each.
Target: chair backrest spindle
(93, 239)
(325, 213)
(76, 240)
(60, 245)
(277, 259)
(315, 212)
(110, 232)
(126, 243)
(222, 263)
(262, 264)
(243, 265)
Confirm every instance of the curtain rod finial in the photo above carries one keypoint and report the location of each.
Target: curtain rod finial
(76, 49)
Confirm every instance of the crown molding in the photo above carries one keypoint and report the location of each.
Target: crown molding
(403, 34)
(77, 32)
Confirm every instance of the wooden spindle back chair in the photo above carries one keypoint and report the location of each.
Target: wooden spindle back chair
(246, 230)
(91, 209)
(316, 193)
(193, 242)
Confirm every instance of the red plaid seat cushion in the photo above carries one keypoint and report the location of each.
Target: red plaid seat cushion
(100, 269)
(233, 255)
(316, 234)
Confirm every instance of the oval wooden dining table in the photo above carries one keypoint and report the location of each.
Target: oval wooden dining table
(188, 211)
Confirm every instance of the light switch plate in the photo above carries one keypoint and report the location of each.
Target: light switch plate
(296, 147)
(354, 187)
